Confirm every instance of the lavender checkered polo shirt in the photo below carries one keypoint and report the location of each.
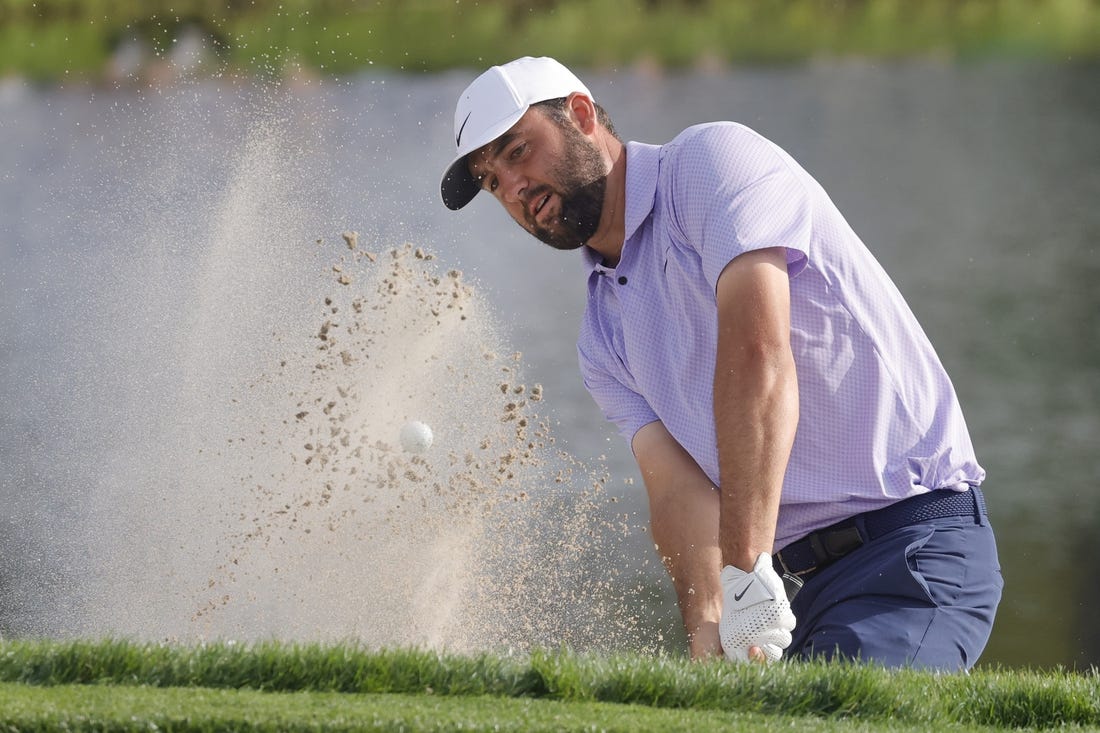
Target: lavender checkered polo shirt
(879, 418)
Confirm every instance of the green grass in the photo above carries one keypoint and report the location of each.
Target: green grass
(120, 685)
(73, 708)
(49, 39)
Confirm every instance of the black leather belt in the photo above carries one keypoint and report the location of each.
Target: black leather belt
(803, 558)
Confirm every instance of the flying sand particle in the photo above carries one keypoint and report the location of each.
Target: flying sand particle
(455, 537)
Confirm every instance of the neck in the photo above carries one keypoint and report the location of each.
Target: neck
(608, 239)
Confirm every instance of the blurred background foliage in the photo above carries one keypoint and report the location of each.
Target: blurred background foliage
(50, 39)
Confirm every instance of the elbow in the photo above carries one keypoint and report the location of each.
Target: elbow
(758, 365)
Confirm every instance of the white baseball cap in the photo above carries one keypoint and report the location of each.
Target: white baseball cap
(491, 105)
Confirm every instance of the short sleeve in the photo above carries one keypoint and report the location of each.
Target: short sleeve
(735, 192)
(619, 402)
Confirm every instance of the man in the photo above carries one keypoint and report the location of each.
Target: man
(791, 421)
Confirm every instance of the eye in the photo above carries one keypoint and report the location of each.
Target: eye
(493, 183)
(518, 151)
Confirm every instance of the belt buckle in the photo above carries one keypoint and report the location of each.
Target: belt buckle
(788, 571)
(827, 547)
(791, 582)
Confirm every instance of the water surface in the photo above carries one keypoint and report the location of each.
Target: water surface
(975, 185)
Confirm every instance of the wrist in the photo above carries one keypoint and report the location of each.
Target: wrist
(744, 558)
(698, 610)
(704, 641)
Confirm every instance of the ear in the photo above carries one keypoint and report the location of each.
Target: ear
(582, 110)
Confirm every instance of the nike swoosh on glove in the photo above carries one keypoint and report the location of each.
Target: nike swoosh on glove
(755, 611)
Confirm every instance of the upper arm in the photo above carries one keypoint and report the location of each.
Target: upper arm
(754, 301)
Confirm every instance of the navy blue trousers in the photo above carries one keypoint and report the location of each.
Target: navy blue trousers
(922, 596)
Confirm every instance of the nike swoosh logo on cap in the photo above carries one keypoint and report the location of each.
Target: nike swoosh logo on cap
(458, 137)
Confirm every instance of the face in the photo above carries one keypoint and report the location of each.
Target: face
(549, 177)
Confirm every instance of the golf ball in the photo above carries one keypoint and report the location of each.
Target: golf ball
(416, 437)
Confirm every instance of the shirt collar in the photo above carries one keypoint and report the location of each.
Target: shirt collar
(643, 162)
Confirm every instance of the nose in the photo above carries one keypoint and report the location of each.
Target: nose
(513, 184)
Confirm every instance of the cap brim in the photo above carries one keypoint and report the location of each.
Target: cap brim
(458, 187)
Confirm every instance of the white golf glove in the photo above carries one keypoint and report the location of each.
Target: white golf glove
(755, 612)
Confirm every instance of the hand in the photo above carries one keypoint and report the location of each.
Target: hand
(756, 615)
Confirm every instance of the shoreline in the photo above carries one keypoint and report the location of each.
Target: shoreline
(55, 40)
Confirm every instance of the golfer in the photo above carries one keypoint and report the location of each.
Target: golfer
(812, 484)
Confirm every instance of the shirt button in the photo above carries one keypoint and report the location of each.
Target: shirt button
(622, 279)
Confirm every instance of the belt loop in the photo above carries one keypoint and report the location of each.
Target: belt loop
(976, 493)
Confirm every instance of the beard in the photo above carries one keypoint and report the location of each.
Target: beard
(581, 182)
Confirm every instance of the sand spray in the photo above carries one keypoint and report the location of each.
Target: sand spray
(239, 401)
(473, 543)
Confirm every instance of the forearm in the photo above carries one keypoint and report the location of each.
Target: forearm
(756, 415)
(683, 508)
(685, 531)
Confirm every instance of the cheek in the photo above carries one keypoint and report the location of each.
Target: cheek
(519, 215)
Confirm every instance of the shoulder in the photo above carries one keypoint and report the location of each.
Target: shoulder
(715, 137)
(717, 156)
